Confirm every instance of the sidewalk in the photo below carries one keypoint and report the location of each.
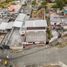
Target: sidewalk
(27, 52)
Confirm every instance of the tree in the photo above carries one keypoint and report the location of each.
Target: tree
(7, 1)
(43, 3)
(60, 3)
(33, 2)
(65, 1)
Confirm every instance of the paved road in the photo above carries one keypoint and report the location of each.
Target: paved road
(51, 55)
(39, 55)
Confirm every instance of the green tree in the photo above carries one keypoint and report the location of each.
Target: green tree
(65, 1)
(59, 4)
(33, 2)
(7, 1)
(44, 3)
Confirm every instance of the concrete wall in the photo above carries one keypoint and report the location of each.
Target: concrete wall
(39, 36)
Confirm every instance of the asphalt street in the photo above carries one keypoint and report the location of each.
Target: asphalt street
(37, 55)
(51, 55)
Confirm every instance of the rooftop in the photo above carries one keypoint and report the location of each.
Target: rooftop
(36, 23)
(17, 24)
(21, 17)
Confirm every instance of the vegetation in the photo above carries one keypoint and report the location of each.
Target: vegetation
(34, 3)
(61, 45)
(44, 3)
(48, 29)
(59, 4)
(65, 1)
(5, 4)
(49, 33)
(7, 1)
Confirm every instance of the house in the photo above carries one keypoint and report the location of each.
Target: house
(14, 8)
(35, 31)
(54, 18)
(17, 24)
(6, 26)
(3, 26)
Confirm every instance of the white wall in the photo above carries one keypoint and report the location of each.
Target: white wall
(36, 36)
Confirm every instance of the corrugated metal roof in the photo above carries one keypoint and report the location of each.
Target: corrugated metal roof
(39, 36)
(36, 23)
(17, 24)
(3, 26)
(9, 25)
(54, 18)
(21, 17)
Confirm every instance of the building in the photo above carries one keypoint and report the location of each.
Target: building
(19, 20)
(35, 31)
(55, 18)
(14, 8)
(64, 24)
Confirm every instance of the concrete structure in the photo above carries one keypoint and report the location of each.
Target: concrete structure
(54, 18)
(36, 36)
(21, 17)
(35, 31)
(36, 23)
(3, 26)
(10, 25)
(64, 23)
(20, 20)
(17, 24)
